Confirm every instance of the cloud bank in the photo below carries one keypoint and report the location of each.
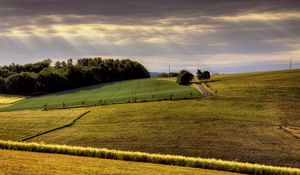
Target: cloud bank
(223, 36)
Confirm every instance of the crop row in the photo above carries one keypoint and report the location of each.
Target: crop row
(214, 164)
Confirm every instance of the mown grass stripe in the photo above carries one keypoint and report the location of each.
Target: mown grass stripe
(57, 128)
(214, 164)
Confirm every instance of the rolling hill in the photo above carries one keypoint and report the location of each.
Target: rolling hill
(118, 92)
(245, 120)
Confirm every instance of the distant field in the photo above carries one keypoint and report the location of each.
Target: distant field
(21, 124)
(18, 162)
(240, 123)
(119, 92)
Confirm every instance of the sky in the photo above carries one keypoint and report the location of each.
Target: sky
(218, 35)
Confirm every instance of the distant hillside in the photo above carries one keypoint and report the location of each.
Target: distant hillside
(109, 93)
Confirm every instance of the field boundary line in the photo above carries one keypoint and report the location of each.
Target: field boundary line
(177, 160)
(57, 128)
(120, 103)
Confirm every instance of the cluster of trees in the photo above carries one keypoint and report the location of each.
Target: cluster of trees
(41, 77)
(203, 75)
(185, 77)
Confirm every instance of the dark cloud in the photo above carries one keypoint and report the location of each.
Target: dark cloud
(143, 8)
(143, 28)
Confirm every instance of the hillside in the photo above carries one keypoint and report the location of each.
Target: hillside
(244, 121)
(18, 162)
(19, 125)
(118, 92)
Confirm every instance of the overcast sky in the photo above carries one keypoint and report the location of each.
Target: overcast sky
(218, 35)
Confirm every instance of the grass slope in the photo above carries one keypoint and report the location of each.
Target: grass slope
(241, 123)
(119, 92)
(18, 162)
(22, 124)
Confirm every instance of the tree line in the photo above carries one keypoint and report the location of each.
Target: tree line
(42, 77)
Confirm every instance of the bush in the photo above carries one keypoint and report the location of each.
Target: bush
(184, 77)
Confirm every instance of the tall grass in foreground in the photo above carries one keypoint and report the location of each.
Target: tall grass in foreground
(214, 164)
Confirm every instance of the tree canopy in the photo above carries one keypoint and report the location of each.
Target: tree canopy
(203, 75)
(41, 77)
(184, 77)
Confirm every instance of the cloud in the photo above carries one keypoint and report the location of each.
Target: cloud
(177, 31)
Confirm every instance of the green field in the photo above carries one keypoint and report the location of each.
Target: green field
(119, 92)
(22, 124)
(18, 162)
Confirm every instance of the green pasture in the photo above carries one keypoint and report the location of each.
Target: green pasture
(118, 92)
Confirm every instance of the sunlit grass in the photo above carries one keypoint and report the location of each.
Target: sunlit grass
(152, 158)
(110, 93)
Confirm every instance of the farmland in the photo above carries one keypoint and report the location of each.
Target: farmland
(18, 162)
(23, 124)
(242, 122)
(119, 92)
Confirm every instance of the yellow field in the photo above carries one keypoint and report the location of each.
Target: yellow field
(25, 163)
(18, 125)
(7, 99)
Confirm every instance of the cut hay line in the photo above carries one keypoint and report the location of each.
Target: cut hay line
(214, 164)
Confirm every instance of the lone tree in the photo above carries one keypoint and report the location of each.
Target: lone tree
(184, 77)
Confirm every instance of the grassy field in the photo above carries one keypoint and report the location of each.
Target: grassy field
(17, 162)
(22, 124)
(119, 92)
(240, 123)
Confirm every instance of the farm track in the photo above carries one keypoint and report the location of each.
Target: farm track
(203, 90)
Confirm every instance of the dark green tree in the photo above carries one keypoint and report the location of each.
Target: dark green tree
(50, 81)
(199, 74)
(184, 77)
(206, 75)
(2, 84)
(22, 83)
